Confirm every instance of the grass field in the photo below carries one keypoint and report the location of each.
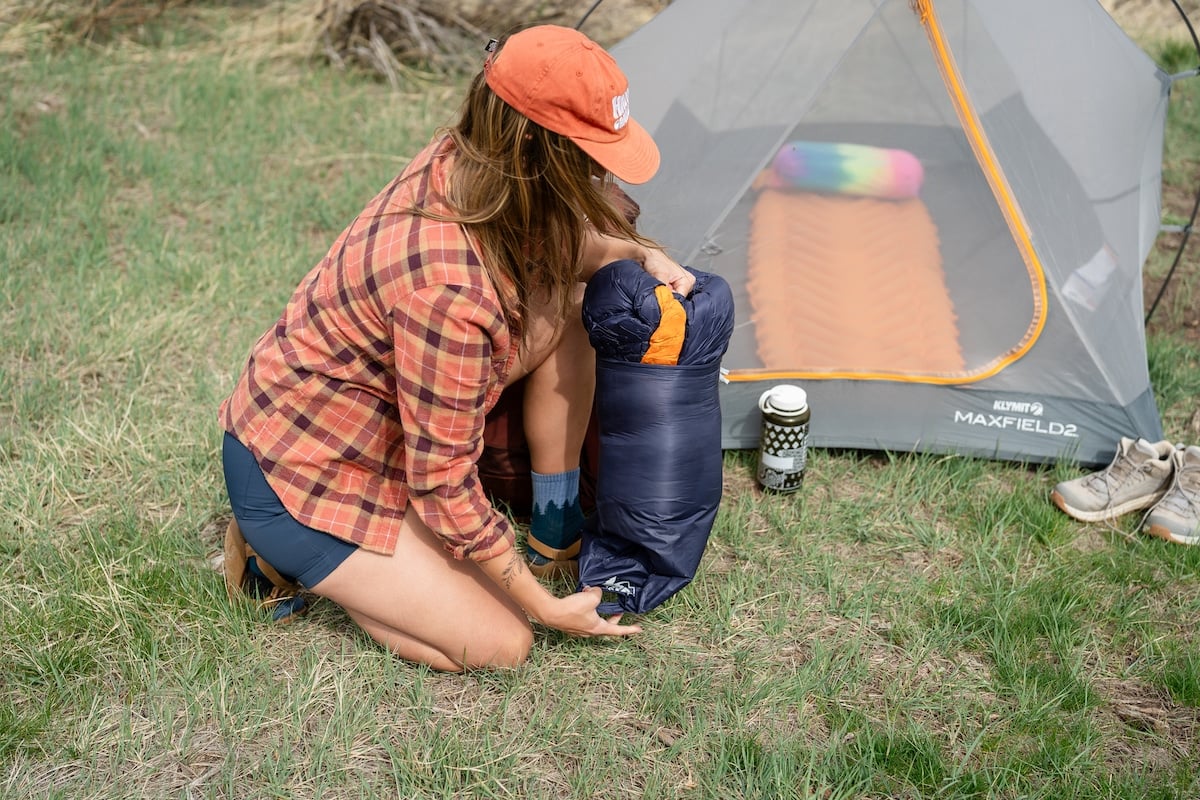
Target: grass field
(905, 627)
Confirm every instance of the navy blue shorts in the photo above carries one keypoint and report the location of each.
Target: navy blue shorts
(298, 552)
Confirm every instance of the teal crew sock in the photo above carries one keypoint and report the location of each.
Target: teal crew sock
(557, 518)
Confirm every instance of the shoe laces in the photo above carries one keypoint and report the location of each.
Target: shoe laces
(1115, 474)
(1184, 497)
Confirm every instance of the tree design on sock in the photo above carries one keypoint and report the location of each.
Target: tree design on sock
(556, 526)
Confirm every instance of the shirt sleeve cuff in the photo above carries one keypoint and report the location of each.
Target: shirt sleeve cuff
(501, 545)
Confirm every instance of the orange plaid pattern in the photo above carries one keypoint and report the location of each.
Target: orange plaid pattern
(369, 393)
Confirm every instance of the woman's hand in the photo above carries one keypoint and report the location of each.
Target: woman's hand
(601, 249)
(663, 267)
(576, 614)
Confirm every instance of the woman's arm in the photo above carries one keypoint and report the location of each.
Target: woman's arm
(600, 249)
(574, 614)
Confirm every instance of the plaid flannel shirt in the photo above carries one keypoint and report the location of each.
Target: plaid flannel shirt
(370, 392)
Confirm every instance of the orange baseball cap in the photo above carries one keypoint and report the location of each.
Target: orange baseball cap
(565, 82)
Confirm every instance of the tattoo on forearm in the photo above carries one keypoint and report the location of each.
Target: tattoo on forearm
(512, 568)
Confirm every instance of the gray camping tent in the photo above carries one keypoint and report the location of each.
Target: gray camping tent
(933, 213)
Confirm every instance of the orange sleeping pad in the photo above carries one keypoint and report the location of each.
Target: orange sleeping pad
(849, 284)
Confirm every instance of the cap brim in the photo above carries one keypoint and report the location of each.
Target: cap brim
(632, 159)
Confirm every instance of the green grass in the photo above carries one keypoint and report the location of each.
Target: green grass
(906, 626)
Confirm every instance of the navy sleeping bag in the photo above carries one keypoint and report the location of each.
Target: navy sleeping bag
(659, 472)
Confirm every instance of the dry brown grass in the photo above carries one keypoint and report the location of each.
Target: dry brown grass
(394, 38)
(431, 31)
(1153, 19)
(401, 40)
(92, 20)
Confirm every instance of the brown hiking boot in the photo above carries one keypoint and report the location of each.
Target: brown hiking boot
(552, 563)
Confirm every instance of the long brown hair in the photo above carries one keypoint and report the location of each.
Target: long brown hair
(527, 194)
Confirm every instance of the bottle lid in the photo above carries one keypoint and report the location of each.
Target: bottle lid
(785, 398)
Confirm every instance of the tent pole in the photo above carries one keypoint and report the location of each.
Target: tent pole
(1187, 232)
(1186, 228)
(587, 14)
(1188, 23)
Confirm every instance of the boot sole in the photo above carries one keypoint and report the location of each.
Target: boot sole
(555, 570)
(1106, 513)
(1160, 532)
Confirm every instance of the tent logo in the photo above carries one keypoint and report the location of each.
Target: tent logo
(1029, 421)
(1018, 407)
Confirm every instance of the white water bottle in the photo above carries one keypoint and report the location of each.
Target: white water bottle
(783, 445)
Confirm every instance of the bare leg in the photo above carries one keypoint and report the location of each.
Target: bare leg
(561, 380)
(561, 368)
(422, 603)
(426, 606)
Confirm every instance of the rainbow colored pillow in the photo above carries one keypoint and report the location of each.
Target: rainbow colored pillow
(854, 169)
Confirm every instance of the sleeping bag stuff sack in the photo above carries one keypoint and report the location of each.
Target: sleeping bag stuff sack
(658, 483)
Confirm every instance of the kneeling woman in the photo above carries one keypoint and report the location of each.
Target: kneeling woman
(354, 431)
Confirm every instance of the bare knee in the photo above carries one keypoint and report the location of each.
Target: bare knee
(506, 653)
(434, 610)
(517, 651)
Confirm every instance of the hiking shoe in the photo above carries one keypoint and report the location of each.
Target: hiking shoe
(1137, 478)
(1176, 517)
(561, 569)
(550, 562)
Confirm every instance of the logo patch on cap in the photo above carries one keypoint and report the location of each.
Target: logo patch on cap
(620, 105)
